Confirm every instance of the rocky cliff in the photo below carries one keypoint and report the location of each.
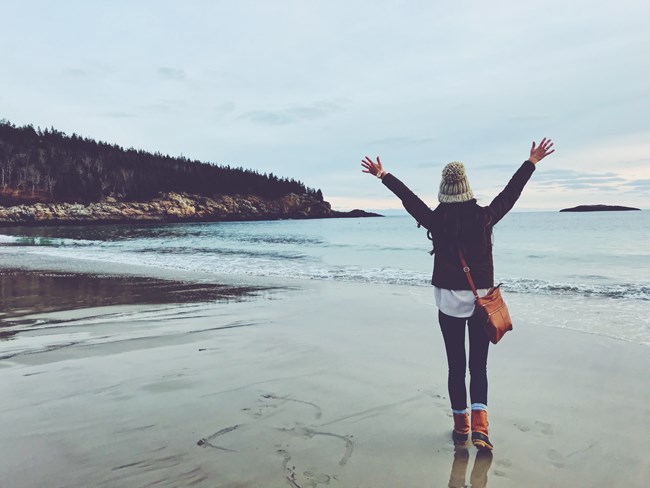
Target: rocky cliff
(173, 207)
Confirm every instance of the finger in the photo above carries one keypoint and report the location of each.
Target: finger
(550, 152)
(367, 159)
(532, 147)
(365, 171)
(378, 161)
(543, 142)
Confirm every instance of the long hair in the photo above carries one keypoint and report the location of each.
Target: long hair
(461, 226)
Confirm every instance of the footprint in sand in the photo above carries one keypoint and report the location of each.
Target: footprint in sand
(556, 458)
(543, 427)
(546, 429)
(314, 479)
(505, 462)
(502, 464)
(439, 400)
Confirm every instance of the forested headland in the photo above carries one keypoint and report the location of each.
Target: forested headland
(46, 165)
(50, 178)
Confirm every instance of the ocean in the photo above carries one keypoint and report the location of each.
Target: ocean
(587, 264)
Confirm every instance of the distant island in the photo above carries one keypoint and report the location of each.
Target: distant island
(50, 178)
(598, 208)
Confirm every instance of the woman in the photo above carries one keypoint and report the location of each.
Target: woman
(458, 223)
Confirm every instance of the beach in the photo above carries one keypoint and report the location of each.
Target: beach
(304, 383)
(190, 297)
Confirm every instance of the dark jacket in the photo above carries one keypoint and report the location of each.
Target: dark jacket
(447, 270)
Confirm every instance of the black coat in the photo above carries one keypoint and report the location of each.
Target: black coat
(447, 270)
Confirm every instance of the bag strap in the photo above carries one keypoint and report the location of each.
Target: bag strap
(466, 270)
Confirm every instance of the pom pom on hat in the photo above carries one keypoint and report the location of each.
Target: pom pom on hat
(454, 186)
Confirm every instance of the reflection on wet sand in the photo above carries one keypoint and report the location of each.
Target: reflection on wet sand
(478, 477)
(23, 293)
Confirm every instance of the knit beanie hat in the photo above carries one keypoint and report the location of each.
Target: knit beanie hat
(454, 187)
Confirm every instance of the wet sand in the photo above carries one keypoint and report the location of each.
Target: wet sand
(319, 384)
(26, 292)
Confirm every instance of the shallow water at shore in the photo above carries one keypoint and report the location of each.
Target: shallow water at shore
(25, 293)
(601, 255)
(583, 265)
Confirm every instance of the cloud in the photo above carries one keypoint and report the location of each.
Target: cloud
(571, 180)
(639, 186)
(636, 162)
(402, 141)
(155, 107)
(270, 118)
(118, 115)
(226, 107)
(75, 72)
(571, 174)
(629, 150)
(162, 106)
(527, 118)
(174, 74)
(429, 164)
(349, 203)
(508, 168)
(316, 110)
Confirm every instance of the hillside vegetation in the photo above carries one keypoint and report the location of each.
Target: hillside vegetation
(49, 166)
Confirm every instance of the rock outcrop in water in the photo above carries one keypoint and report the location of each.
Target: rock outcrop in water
(598, 208)
(174, 207)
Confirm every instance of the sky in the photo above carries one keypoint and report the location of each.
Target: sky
(305, 89)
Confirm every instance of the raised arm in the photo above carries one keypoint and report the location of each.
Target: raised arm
(537, 153)
(412, 203)
(505, 200)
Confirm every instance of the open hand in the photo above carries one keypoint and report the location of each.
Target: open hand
(374, 168)
(537, 153)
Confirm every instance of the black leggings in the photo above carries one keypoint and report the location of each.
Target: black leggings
(453, 332)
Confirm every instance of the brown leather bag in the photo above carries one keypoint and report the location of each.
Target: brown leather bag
(491, 308)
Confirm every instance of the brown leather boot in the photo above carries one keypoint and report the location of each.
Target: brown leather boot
(480, 437)
(461, 427)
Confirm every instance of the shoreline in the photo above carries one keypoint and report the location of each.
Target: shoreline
(588, 315)
(26, 293)
(174, 207)
(323, 383)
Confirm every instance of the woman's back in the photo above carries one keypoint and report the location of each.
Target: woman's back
(452, 223)
(464, 226)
